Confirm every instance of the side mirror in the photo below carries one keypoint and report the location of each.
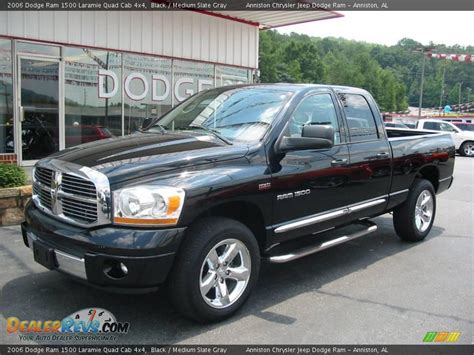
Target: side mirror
(312, 137)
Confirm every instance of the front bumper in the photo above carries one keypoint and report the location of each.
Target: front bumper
(108, 256)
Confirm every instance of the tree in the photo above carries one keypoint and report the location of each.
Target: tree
(391, 73)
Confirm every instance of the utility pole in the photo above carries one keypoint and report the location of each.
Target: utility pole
(423, 51)
(442, 88)
(421, 85)
(459, 97)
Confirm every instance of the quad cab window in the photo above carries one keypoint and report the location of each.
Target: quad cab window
(314, 110)
(360, 118)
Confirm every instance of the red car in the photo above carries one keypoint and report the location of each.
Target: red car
(85, 133)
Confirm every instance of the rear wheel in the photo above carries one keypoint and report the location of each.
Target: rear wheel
(414, 218)
(215, 270)
(467, 149)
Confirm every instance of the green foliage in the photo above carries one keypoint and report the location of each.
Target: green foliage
(391, 73)
(11, 176)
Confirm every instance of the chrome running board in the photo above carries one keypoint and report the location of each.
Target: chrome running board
(369, 227)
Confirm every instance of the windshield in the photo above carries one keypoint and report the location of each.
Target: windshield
(238, 114)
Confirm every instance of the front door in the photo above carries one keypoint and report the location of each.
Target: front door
(38, 111)
(370, 154)
(311, 186)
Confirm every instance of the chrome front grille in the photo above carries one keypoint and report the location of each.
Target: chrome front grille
(78, 186)
(43, 195)
(76, 194)
(82, 211)
(44, 176)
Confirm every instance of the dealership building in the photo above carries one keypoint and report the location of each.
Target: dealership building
(68, 78)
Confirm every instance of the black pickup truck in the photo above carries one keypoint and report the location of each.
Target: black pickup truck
(229, 178)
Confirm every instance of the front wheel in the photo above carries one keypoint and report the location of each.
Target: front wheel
(215, 270)
(414, 218)
(467, 149)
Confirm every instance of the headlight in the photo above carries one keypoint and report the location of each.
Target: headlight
(148, 205)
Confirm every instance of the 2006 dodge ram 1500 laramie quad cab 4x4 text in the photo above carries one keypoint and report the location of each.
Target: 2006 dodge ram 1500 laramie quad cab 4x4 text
(232, 176)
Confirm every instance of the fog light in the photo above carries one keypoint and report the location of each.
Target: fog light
(124, 268)
(115, 269)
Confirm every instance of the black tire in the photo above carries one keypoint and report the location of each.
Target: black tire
(184, 280)
(404, 217)
(465, 151)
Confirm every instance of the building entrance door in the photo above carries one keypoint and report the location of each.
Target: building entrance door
(38, 108)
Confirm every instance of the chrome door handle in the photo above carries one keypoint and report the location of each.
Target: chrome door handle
(22, 114)
(340, 162)
(382, 155)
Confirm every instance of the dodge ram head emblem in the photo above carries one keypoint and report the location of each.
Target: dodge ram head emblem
(55, 186)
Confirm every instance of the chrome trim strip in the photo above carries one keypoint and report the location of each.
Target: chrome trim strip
(449, 177)
(324, 216)
(365, 205)
(311, 220)
(67, 263)
(279, 259)
(398, 192)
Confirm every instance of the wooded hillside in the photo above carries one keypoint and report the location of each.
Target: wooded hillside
(391, 73)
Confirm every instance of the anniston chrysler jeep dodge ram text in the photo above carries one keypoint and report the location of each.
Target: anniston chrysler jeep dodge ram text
(229, 178)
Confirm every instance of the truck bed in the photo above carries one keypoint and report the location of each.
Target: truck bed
(405, 133)
(413, 149)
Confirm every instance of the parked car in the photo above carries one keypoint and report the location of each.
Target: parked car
(463, 140)
(464, 126)
(229, 178)
(396, 125)
(79, 134)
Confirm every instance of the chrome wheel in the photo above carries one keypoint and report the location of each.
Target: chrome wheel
(225, 273)
(468, 149)
(424, 211)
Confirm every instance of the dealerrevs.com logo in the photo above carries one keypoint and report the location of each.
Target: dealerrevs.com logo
(88, 323)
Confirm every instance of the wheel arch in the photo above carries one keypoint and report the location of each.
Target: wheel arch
(430, 173)
(464, 142)
(245, 212)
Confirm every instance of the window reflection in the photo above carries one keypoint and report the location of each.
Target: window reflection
(37, 48)
(6, 98)
(147, 89)
(190, 78)
(39, 96)
(95, 83)
(93, 104)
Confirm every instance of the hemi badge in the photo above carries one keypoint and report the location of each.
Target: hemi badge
(265, 186)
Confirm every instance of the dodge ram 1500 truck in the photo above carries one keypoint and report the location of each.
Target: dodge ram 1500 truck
(229, 178)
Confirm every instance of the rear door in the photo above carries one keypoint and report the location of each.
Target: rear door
(370, 156)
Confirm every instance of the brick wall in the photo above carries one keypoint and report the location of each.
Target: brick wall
(8, 158)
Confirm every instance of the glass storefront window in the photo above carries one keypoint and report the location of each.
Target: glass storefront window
(226, 75)
(190, 78)
(6, 98)
(106, 93)
(93, 100)
(37, 48)
(147, 89)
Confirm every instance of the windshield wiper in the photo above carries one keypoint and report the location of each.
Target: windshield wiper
(214, 132)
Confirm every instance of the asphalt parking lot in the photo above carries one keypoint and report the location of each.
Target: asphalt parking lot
(376, 289)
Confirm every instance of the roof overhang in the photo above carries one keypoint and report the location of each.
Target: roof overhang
(272, 19)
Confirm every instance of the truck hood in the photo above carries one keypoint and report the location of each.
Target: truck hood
(144, 154)
(467, 134)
